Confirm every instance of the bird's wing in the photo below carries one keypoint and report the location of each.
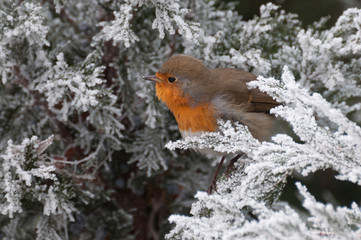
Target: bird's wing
(260, 101)
(231, 87)
(234, 101)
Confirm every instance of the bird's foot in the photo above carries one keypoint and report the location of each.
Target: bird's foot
(212, 186)
(230, 166)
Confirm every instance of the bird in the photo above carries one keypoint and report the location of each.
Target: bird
(198, 96)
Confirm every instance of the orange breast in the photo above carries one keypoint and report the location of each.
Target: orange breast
(195, 119)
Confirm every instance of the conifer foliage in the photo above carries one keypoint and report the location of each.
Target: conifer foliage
(82, 137)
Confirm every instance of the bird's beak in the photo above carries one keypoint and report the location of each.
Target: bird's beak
(152, 78)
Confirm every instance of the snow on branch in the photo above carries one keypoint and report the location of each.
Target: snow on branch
(324, 222)
(302, 97)
(341, 222)
(119, 29)
(24, 168)
(329, 59)
(348, 28)
(256, 39)
(168, 14)
(329, 140)
(73, 87)
(169, 11)
(232, 138)
(24, 22)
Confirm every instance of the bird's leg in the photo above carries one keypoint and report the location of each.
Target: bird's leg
(231, 164)
(213, 184)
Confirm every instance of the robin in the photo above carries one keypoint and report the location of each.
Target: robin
(198, 96)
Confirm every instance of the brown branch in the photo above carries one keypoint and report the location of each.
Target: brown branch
(156, 206)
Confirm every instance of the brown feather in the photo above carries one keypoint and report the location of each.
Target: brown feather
(262, 102)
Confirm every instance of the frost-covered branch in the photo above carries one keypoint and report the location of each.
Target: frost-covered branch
(25, 22)
(23, 169)
(119, 30)
(324, 222)
(167, 13)
(74, 89)
(171, 11)
(232, 138)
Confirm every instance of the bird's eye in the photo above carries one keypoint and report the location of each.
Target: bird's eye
(171, 79)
